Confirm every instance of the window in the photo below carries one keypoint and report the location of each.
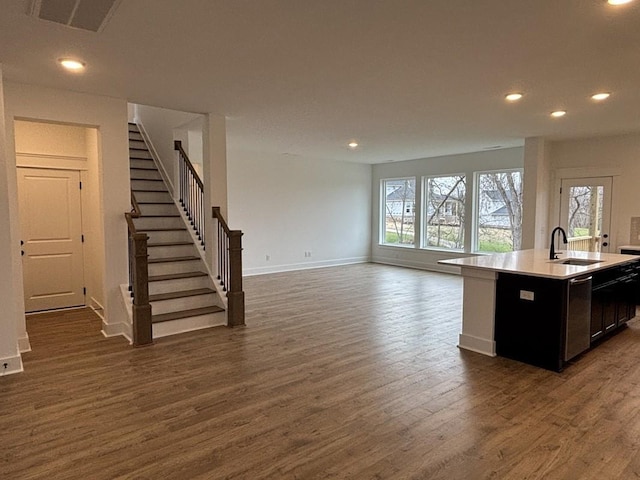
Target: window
(499, 211)
(399, 203)
(444, 212)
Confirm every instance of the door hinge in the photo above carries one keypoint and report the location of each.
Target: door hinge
(80, 185)
(560, 189)
(82, 238)
(84, 290)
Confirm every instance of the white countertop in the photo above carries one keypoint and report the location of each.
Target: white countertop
(536, 263)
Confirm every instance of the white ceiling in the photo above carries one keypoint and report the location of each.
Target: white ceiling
(406, 78)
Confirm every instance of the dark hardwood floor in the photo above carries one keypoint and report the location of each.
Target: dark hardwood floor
(347, 372)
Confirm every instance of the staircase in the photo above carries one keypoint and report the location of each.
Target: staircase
(181, 292)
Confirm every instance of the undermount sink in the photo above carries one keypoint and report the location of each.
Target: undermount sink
(577, 261)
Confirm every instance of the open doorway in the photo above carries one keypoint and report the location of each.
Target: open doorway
(59, 209)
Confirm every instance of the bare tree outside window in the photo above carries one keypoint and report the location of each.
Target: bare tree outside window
(444, 209)
(585, 217)
(500, 211)
(399, 218)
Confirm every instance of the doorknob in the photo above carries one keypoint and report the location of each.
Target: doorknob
(604, 244)
(606, 235)
(22, 252)
(21, 242)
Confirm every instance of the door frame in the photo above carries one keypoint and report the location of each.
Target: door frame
(588, 172)
(607, 183)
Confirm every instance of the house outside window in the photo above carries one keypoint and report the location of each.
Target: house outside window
(399, 205)
(498, 211)
(444, 213)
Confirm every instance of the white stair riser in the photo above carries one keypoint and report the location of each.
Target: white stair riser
(172, 251)
(169, 236)
(140, 154)
(167, 268)
(149, 174)
(137, 163)
(144, 223)
(186, 303)
(179, 284)
(148, 185)
(183, 325)
(159, 209)
(153, 197)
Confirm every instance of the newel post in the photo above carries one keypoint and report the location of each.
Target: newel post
(235, 295)
(142, 329)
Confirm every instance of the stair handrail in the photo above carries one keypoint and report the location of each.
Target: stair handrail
(230, 268)
(191, 192)
(139, 279)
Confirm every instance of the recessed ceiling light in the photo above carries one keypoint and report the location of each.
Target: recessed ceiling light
(353, 144)
(71, 64)
(558, 113)
(513, 97)
(600, 96)
(618, 2)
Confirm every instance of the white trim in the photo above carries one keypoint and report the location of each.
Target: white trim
(97, 307)
(14, 365)
(477, 345)
(23, 343)
(430, 267)
(304, 266)
(122, 328)
(156, 159)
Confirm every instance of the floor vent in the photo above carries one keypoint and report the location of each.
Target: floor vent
(90, 15)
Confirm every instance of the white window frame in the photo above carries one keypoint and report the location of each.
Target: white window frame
(383, 212)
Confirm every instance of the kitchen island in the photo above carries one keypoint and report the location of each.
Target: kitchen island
(525, 306)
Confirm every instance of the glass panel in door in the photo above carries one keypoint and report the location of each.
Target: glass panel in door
(585, 209)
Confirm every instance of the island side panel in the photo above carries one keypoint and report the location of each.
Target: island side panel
(530, 320)
(478, 311)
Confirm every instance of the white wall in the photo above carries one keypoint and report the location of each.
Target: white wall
(12, 323)
(161, 125)
(446, 165)
(617, 155)
(287, 206)
(109, 116)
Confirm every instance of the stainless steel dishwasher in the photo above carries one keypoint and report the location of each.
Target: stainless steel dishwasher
(578, 333)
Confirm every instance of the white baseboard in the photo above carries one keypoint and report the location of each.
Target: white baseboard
(484, 346)
(14, 365)
(23, 343)
(248, 272)
(432, 267)
(123, 329)
(97, 307)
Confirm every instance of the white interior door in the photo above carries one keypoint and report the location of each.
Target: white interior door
(585, 213)
(51, 229)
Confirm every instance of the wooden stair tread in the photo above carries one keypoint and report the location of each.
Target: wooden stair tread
(166, 202)
(148, 191)
(148, 179)
(152, 215)
(185, 314)
(146, 168)
(160, 229)
(169, 244)
(185, 293)
(176, 276)
(172, 259)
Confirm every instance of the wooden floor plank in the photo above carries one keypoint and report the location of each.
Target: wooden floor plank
(346, 372)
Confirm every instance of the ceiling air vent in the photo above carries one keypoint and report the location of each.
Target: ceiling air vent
(89, 15)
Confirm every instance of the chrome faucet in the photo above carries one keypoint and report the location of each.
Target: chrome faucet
(552, 251)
